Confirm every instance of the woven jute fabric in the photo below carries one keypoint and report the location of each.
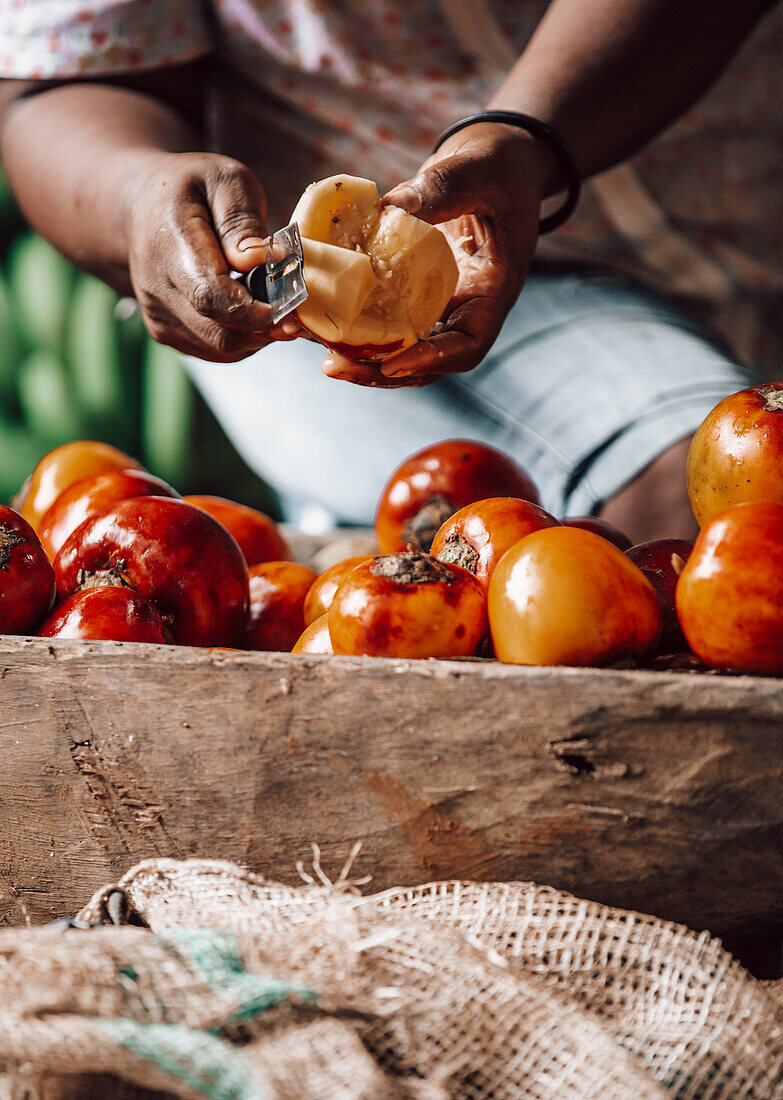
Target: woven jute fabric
(237, 988)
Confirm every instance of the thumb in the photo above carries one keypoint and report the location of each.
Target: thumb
(238, 206)
(442, 191)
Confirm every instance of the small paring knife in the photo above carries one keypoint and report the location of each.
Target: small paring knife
(279, 282)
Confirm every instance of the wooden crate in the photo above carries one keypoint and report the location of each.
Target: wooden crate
(657, 791)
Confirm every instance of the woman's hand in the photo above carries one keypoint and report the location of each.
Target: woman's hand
(192, 218)
(484, 188)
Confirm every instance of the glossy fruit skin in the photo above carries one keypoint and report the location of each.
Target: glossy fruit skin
(257, 535)
(319, 598)
(736, 455)
(315, 638)
(61, 467)
(378, 616)
(93, 494)
(176, 556)
(478, 535)
(277, 595)
(600, 527)
(27, 585)
(730, 594)
(662, 561)
(564, 596)
(445, 476)
(105, 614)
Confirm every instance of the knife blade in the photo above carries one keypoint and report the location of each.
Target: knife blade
(280, 281)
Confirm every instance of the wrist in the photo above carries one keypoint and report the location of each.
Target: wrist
(542, 165)
(551, 165)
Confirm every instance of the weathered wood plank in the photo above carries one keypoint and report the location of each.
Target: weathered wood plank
(657, 791)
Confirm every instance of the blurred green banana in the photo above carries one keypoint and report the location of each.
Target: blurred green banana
(10, 343)
(20, 449)
(93, 353)
(74, 364)
(132, 339)
(46, 399)
(41, 284)
(167, 414)
(7, 204)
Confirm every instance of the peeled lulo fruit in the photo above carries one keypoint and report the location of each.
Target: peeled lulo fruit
(378, 279)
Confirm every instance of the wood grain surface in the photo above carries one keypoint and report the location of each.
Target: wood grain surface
(657, 791)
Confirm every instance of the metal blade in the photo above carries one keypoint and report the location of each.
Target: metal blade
(280, 281)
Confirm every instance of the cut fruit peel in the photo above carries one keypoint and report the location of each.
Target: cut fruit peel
(378, 278)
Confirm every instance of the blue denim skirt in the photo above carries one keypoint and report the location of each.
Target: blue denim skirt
(590, 379)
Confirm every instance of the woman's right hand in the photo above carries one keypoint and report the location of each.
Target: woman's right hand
(192, 219)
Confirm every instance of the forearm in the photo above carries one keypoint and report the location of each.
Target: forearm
(611, 74)
(75, 155)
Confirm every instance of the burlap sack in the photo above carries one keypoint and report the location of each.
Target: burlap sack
(243, 988)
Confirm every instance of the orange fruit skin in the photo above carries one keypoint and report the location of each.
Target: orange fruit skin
(729, 597)
(277, 595)
(258, 536)
(321, 594)
(376, 616)
(490, 528)
(736, 455)
(61, 467)
(315, 638)
(565, 596)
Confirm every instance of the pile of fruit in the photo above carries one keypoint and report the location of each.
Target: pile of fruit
(469, 563)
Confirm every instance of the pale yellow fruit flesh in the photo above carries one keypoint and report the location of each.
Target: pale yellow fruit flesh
(338, 280)
(412, 266)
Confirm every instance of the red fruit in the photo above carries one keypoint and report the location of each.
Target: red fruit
(322, 592)
(93, 494)
(600, 527)
(176, 556)
(563, 596)
(315, 638)
(736, 455)
(730, 594)
(662, 561)
(60, 468)
(434, 483)
(257, 536)
(277, 595)
(105, 614)
(26, 577)
(408, 605)
(478, 535)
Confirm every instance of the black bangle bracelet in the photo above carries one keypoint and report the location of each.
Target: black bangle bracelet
(546, 134)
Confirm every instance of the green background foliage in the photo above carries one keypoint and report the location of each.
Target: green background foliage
(75, 365)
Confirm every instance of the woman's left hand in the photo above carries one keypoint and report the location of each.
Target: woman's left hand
(484, 189)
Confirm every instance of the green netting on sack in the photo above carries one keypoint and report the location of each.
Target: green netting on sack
(201, 1062)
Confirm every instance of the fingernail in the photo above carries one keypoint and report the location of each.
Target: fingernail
(250, 242)
(406, 198)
